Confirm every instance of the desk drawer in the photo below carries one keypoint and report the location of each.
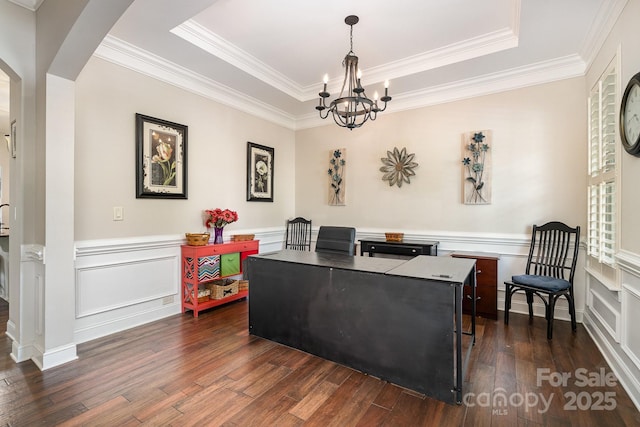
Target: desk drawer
(486, 272)
(486, 301)
(487, 284)
(395, 249)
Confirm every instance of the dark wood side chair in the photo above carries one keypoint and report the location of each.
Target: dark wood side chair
(551, 266)
(336, 240)
(298, 235)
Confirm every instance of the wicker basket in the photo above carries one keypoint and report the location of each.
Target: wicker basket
(223, 288)
(197, 239)
(243, 285)
(242, 237)
(203, 295)
(394, 237)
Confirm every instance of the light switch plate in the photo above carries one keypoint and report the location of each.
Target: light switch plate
(118, 213)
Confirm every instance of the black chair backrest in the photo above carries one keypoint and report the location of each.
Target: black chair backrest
(554, 250)
(298, 236)
(339, 240)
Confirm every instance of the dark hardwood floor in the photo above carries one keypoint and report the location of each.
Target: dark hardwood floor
(184, 371)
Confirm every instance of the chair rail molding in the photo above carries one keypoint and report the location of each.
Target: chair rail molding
(629, 261)
(32, 253)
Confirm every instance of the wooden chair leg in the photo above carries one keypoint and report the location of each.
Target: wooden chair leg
(507, 302)
(572, 312)
(530, 303)
(550, 308)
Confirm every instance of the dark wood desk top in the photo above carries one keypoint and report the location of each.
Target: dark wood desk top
(477, 255)
(344, 262)
(444, 269)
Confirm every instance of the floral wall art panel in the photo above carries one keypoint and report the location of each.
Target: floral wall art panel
(476, 167)
(337, 177)
(161, 157)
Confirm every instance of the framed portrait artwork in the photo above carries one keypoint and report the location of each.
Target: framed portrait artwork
(259, 173)
(161, 159)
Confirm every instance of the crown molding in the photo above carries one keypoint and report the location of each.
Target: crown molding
(215, 45)
(129, 56)
(124, 54)
(486, 44)
(31, 5)
(515, 78)
(606, 18)
(447, 55)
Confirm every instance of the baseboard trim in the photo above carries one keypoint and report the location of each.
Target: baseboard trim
(119, 324)
(55, 357)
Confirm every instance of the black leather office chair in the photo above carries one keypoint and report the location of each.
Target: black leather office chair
(298, 236)
(337, 240)
(549, 273)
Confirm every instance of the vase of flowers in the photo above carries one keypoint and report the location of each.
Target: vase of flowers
(217, 219)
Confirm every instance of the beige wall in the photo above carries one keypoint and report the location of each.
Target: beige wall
(107, 97)
(539, 164)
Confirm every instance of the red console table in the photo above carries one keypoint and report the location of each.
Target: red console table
(202, 264)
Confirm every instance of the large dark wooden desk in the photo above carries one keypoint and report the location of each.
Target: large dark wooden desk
(394, 319)
(405, 247)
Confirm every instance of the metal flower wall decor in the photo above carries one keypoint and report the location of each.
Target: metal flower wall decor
(476, 167)
(398, 167)
(337, 182)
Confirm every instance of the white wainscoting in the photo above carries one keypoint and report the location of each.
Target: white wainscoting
(604, 311)
(630, 331)
(122, 283)
(611, 317)
(113, 285)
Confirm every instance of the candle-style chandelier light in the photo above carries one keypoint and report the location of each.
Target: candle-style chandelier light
(352, 108)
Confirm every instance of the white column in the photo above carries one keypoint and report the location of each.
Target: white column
(55, 292)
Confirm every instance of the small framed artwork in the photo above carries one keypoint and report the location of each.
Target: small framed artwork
(259, 173)
(12, 142)
(161, 159)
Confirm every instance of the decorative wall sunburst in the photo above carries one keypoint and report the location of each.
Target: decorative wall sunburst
(398, 167)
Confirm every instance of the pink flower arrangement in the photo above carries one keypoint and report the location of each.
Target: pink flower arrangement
(219, 218)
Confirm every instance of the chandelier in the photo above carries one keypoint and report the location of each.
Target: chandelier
(352, 108)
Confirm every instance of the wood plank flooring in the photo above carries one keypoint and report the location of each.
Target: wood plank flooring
(209, 371)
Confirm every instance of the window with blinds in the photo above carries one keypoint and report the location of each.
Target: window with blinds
(601, 232)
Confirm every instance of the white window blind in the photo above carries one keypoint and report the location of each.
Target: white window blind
(607, 205)
(593, 241)
(601, 232)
